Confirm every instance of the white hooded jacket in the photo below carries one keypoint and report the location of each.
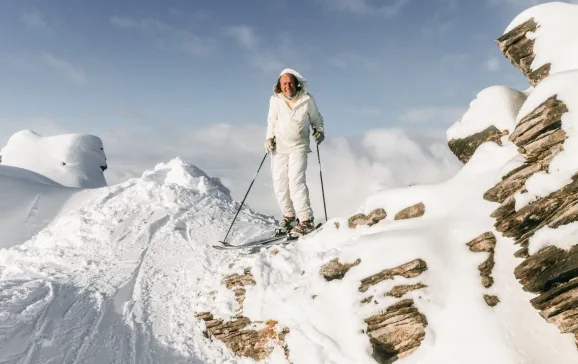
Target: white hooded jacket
(290, 126)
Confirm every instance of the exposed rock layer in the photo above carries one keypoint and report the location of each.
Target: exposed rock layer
(552, 273)
(242, 340)
(373, 218)
(397, 332)
(519, 50)
(486, 243)
(336, 270)
(411, 212)
(465, 148)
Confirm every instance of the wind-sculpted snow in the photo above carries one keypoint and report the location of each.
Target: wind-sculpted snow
(124, 277)
(119, 280)
(73, 160)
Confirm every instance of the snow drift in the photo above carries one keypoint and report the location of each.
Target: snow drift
(73, 160)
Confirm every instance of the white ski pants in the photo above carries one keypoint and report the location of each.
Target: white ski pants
(288, 170)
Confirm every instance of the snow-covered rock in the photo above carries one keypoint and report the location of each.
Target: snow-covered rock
(543, 40)
(72, 160)
(490, 116)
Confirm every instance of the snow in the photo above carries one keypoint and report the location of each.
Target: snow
(556, 37)
(563, 237)
(72, 160)
(116, 274)
(565, 164)
(494, 105)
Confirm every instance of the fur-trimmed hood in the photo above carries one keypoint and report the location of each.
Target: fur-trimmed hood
(302, 80)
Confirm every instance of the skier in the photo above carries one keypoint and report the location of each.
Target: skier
(292, 110)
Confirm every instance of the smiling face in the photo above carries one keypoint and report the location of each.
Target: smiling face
(288, 84)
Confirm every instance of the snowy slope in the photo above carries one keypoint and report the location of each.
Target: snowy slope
(120, 278)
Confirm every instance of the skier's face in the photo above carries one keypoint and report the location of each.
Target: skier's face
(288, 84)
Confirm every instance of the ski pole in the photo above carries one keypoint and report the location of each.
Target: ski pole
(321, 176)
(251, 185)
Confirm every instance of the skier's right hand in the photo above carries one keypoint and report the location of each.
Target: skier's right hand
(270, 145)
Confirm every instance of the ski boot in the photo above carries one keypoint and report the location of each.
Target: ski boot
(286, 225)
(303, 228)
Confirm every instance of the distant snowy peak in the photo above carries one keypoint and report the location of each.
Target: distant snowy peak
(186, 175)
(543, 40)
(72, 160)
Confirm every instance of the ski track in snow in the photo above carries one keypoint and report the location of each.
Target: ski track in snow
(116, 281)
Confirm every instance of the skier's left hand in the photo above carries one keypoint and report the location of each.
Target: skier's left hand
(318, 135)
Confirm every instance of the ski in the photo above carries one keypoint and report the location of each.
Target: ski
(255, 245)
(227, 246)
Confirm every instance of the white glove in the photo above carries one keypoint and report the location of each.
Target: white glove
(318, 135)
(270, 145)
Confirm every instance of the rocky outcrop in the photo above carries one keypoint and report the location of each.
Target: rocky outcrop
(407, 270)
(361, 219)
(539, 139)
(466, 147)
(491, 300)
(411, 212)
(242, 339)
(519, 50)
(336, 270)
(551, 273)
(237, 282)
(485, 243)
(401, 290)
(397, 332)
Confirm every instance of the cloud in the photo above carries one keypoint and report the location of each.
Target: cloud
(66, 69)
(244, 35)
(492, 64)
(362, 7)
(431, 114)
(266, 59)
(166, 36)
(352, 168)
(34, 20)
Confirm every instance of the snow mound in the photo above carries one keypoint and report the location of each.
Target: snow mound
(72, 160)
(556, 37)
(30, 202)
(565, 164)
(186, 175)
(495, 105)
(121, 278)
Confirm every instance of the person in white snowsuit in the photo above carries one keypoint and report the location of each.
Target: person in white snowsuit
(292, 111)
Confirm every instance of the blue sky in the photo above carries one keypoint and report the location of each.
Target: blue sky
(161, 79)
(157, 65)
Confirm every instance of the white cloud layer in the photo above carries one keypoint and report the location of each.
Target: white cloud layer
(492, 64)
(68, 70)
(352, 169)
(34, 20)
(260, 56)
